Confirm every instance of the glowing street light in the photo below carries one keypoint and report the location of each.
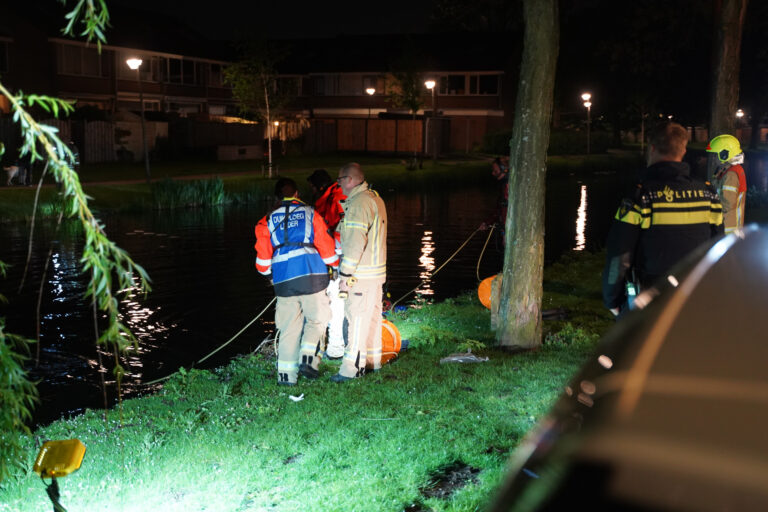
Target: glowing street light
(135, 64)
(739, 113)
(588, 104)
(370, 91)
(430, 84)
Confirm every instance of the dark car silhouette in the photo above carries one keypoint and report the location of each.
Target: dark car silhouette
(671, 413)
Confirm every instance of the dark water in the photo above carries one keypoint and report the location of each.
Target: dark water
(205, 286)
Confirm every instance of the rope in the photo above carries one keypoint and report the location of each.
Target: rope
(230, 340)
(477, 270)
(438, 269)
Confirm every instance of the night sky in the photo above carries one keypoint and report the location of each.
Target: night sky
(233, 19)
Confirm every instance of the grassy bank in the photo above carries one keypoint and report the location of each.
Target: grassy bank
(230, 439)
(242, 181)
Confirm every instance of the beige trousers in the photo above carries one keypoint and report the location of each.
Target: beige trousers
(301, 320)
(362, 314)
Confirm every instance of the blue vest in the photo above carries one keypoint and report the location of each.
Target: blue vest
(297, 268)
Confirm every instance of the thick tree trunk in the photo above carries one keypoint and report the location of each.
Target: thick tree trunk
(725, 91)
(519, 322)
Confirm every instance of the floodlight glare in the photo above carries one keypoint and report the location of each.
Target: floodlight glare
(133, 63)
(586, 96)
(429, 84)
(370, 91)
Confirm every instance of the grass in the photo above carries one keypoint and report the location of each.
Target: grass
(230, 439)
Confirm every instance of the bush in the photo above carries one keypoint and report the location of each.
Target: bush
(561, 142)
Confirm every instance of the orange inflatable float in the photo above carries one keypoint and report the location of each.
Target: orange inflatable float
(390, 341)
(484, 291)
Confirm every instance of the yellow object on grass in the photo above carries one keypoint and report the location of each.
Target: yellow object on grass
(59, 458)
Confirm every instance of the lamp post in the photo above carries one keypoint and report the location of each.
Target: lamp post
(588, 104)
(430, 84)
(370, 91)
(272, 133)
(134, 63)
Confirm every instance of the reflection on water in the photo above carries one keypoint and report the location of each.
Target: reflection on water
(427, 263)
(581, 221)
(205, 287)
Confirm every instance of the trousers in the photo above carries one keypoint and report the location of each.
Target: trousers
(301, 320)
(362, 314)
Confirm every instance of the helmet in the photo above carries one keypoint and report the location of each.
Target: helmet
(726, 147)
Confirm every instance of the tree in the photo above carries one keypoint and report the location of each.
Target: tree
(112, 271)
(725, 90)
(405, 91)
(519, 323)
(254, 82)
(754, 68)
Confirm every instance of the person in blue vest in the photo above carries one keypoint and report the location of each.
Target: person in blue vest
(293, 249)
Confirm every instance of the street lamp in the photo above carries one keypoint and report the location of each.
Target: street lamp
(370, 91)
(135, 64)
(588, 104)
(430, 84)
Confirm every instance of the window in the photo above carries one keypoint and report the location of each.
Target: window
(217, 110)
(350, 85)
(174, 71)
(188, 72)
(452, 84)
(216, 76)
(318, 86)
(484, 84)
(159, 67)
(78, 60)
(3, 56)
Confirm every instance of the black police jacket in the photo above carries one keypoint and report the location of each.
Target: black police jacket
(670, 214)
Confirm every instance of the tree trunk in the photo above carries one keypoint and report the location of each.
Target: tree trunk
(725, 92)
(520, 304)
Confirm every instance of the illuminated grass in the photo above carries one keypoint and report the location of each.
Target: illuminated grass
(230, 439)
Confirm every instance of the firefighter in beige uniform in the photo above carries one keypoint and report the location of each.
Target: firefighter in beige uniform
(363, 270)
(730, 180)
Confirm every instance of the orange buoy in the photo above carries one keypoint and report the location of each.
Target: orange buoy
(390, 341)
(484, 291)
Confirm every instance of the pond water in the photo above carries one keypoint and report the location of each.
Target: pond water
(205, 286)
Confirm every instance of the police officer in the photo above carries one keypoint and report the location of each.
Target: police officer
(670, 214)
(363, 270)
(293, 247)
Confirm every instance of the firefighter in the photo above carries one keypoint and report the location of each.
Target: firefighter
(293, 247)
(670, 214)
(329, 196)
(328, 204)
(730, 181)
(363, 270)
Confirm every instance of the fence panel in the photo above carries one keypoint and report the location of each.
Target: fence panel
(99, 143)
(350, 134)
(381, 134)
(320, 137)
(410, 136)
